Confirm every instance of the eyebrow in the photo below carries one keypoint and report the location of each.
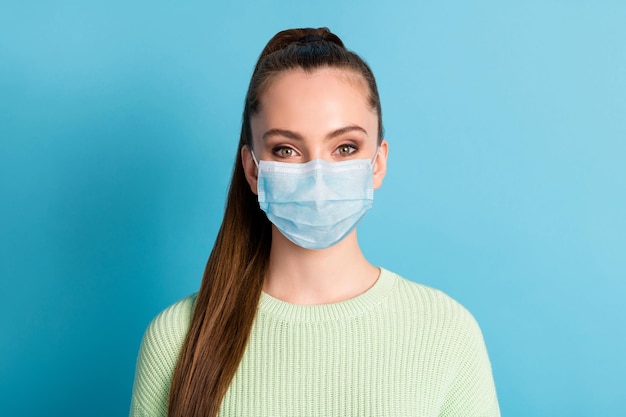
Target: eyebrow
(296, 136)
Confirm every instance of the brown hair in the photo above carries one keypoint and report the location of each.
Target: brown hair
(234, 274)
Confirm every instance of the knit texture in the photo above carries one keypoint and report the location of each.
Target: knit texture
(400, 349)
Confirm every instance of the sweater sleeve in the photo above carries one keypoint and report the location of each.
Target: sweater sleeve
(157, 359)
(472, 390)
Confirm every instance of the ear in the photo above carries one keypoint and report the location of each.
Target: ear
(380, 163)
(249, 168)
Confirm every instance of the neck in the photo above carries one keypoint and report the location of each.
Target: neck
(310, 277)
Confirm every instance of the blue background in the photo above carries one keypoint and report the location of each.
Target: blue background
(506, 185)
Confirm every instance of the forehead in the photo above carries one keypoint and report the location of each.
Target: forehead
(313, 104)
(299, 82)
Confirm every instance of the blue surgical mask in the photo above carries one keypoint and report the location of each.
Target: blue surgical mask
(318, 203)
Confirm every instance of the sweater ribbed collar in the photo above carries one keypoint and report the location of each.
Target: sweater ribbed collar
(330, 312)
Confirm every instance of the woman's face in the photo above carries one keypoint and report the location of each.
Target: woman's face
(324, 114)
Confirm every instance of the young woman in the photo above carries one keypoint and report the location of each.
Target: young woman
(291, 319)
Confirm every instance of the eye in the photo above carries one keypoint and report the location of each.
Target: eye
(284, 152)
(345, 150)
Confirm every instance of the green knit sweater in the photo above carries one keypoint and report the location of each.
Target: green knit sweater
(400, 349)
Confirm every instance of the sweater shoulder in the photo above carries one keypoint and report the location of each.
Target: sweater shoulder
(421, 301)
(456, 338)
(158, 356)
(429, 296)
(170, 325)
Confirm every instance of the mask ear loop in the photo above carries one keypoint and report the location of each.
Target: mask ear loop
(254, 157)
(373, 161)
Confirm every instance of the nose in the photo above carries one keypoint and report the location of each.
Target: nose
(315, 153)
